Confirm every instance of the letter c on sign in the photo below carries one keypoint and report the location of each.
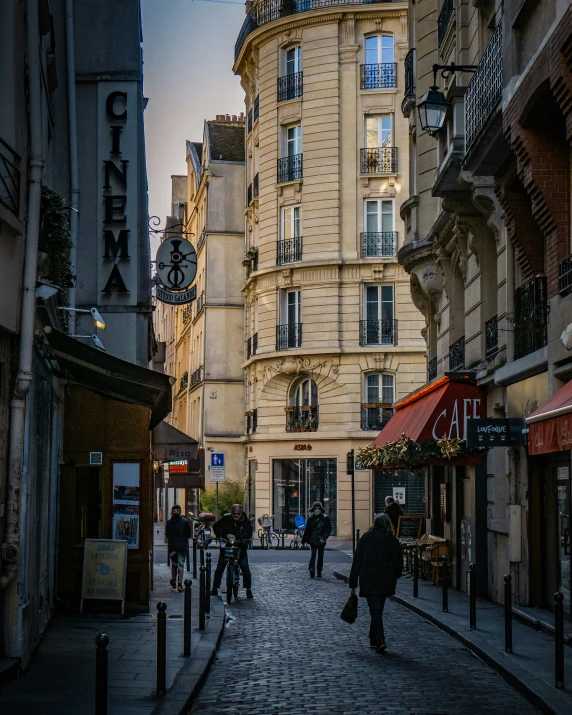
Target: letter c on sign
(110, 105)
(443, 414)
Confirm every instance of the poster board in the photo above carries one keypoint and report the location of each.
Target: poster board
(126, 502)
(409, 527)
(104, 570)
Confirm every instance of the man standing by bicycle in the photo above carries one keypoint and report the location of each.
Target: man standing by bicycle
(237, 524)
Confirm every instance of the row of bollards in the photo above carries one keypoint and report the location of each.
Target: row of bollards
(472, 588)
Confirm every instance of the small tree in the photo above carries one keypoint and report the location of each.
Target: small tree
(229, 493)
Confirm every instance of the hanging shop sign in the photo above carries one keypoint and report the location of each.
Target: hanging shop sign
(167, 296)
(104, 570)
(493, 432)
(176, 267)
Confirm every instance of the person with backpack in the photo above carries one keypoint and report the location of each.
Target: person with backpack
(318, 529)
(178, 533)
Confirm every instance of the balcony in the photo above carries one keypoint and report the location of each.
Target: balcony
(565, 275)
(484, 91)
(201, 239)
(249, 121)
(255, 186)
(379, 245)
(379, 160)
(375, 417)
(302, 419)
(290, 86)
(447, 11)
(431, 369)
(457, 355)
(200, 302)
(289, 250)
(290, 168)
(197, 376)
(492, 336)
(184, 383)
(187, 313)
(378, 332)
(251, 421)
(256, 108)
(530, 317)
(378, 76)
(288, 336)
(9, 178)
(410, 73)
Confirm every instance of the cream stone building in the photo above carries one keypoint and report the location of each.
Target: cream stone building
(204, 339)
(332, 336)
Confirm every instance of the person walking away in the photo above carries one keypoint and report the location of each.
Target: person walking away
(239, 525)
(178, 533)
(377, 565)
(393, 511)
(318, 529)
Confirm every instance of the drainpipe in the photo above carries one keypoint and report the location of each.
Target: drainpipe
(11, 543)
(74, 167)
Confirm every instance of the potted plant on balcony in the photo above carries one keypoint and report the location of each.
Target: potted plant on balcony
(250, 255)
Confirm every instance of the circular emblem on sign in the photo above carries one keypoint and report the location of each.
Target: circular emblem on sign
(176, 263)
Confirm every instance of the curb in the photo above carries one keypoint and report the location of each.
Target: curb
(188, 683)
(539, 695)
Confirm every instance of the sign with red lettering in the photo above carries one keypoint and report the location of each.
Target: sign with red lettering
(551, 435)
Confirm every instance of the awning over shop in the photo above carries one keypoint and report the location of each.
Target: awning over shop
(550, 426)
(438, 409)
(110, 376)
(171, 445)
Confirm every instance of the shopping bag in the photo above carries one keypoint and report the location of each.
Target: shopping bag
(349, 611)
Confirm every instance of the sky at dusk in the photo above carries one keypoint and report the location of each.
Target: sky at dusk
(188, 52)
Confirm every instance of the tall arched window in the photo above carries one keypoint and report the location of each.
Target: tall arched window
(302, 410)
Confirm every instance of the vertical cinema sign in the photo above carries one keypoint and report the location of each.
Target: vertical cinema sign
(118, 192)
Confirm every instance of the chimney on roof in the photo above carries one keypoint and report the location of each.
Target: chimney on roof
(242, 117)
(220, 117)
(228, 118)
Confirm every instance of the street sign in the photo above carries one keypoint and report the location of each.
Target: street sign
(495, 432)
(216, 468)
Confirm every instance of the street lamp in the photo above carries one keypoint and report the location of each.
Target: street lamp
(434, 105)
(98, 321)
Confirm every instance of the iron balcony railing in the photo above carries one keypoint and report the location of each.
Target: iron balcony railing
(530, 317)
(197, 376)
(187, 313)
(9, 178)
(565, 275)
(249, 122)
(302, 419)
(290, 168)
(379, 160)
(249, 348)
(255, 186)
(249, 195)
(378, 332)
(200, 302)
(256, 108)
(485, 89)
(254, 343)
(447, 10)
(269, 10)
(290, 86)
(410, 73)
(378, 76)
(289, 250)
(288, 336)
(379, 245)
(492, 336)
(184, 381)
(457, 354)
(201, 239)
(375, 417)
(431, 369)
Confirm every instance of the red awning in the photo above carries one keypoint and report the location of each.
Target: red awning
(550, 426)
(440, 408)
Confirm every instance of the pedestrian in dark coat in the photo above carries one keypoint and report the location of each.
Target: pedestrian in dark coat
(178, 533)
(318, 529)
(393, 511)
(237, 524)
(377, 564)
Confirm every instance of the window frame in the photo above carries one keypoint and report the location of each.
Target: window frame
(380, 213)
(380, 301)
(297, 139)
(380, 387)
(379, 50)
(296, 62)
(380, 130)
(293, 222)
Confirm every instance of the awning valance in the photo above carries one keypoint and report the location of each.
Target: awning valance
(171, 445)
(550, 426)
(438, 409)
(110, 376)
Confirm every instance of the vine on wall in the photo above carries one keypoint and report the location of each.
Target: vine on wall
(55, 241)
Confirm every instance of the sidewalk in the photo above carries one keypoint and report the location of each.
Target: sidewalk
(61, 677)
(529, 669)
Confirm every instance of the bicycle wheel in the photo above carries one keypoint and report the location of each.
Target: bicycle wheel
(294, 543)
(275, 541)
(229, 583)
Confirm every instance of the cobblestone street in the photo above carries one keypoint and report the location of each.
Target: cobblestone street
(288, 653)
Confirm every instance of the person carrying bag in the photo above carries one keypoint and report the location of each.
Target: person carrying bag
(377, 565)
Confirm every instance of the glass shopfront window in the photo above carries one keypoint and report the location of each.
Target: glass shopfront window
(297, 484)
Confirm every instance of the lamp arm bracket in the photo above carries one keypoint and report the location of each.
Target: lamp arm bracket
(447, 70)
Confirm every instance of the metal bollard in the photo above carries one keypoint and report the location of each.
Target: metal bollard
(194, 556)
(161, 648)
(558, 640)
(415, 574)
(202, 599)
(202, 554)
(188, 559)
(508, 613)
(208, 584)
(445, 579)
(187, 619)
(101, 641)
(472, 597)
(283, 537)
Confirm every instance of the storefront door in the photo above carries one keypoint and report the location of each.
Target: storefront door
(297, 484)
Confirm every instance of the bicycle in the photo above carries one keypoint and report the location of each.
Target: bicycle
(232, 557)
(268, 537)
(300, 524)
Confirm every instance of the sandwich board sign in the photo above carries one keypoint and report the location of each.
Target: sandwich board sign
(104, 570)
(216, 467)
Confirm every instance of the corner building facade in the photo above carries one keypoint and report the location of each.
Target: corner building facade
(332, 338)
